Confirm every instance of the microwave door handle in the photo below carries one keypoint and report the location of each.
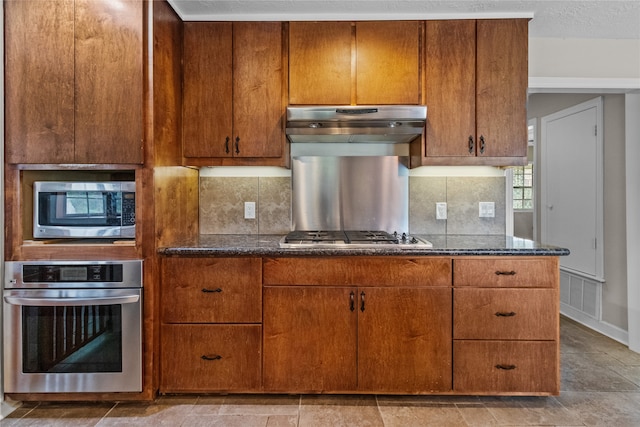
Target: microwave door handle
(53, 302)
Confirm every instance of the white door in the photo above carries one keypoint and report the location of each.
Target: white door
(571, 191)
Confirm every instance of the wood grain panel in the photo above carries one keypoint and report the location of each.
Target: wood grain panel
(204, 290)
(404, 340)
(309, 340)
(502, 86)
(382, 271)
(320, 63)
(39, 81)
(109, 94)
(207, 89)
(523, 367)
(506, 314)
(208, 358)
(450, 51)
(515, 272)
(388, 62)
(257, 89)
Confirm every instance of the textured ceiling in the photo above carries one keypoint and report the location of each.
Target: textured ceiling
(606, 19)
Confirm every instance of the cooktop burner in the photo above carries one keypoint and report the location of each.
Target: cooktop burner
(349, 239)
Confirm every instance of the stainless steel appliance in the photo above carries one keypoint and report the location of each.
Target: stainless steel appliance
(72, 326)
(372, 123)
(353, 239)
(350, 192)
(84, 209)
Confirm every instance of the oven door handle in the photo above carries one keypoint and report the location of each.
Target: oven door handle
(53, 302)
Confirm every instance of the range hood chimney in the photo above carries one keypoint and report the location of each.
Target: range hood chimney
(357, 124)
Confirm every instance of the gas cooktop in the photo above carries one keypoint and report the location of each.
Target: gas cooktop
(350, 239)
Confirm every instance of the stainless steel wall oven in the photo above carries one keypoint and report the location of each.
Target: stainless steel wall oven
(72, 326)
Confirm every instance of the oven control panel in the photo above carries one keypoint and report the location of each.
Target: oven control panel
(60, 274)
(72, 273)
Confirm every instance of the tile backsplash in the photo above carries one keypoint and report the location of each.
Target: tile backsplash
(222, 204)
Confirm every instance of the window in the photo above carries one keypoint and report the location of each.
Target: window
(523, 187)
(523, 176)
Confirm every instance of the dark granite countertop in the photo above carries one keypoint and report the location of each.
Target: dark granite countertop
(263, 245)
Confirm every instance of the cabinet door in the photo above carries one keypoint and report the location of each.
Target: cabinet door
(387, 62)
(108, 79)
(309, 339)
(207, 89)
(210, 358)
(257, 89)
(39, 81)
(404, 340)
(450, 88)
(501, 119)
(320, 63)
(205, 290)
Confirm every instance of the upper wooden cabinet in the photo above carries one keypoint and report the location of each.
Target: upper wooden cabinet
(476, 88)
(342, 63)
(233, 99)
(74, 81)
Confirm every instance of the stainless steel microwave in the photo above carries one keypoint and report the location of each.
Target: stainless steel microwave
(84, 209)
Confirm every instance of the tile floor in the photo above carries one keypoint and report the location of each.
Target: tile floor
(600, 387)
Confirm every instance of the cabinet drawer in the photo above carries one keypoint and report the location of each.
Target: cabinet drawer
(519, 314)
(541, 272)
(208, 290)
(506, 367)
(335, 271)
(210, 358)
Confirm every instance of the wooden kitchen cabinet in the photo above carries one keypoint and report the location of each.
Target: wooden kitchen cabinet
(211, 324)
(476, 88)
(74, 82)
(233, 92)
(506, 325)
(206, 358)
(371, 337)
(360, 63)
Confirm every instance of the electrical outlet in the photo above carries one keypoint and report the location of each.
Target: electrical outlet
(441, 210)
(487, 210)
(249, 210)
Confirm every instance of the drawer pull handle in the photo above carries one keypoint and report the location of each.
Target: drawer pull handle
(352, 301)
(505, 314)
(214, 357)
(506, 367)
(362, 301)
(210, 291)
(505, 273)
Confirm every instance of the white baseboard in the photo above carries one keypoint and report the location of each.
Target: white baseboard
(604, 328)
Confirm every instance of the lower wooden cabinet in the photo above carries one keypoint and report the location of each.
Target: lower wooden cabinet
(210, 358)
(401, 325)
(357, 339)
(500, 367)
(506, 318)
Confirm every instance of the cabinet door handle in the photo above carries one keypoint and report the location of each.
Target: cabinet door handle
(505, 273)
(481, 144)
(214, 357)
(226, 145)
(362, 295)
(352, 301)
(506, 367)
(237, 145)
(506, 313)
(471, 144)
(210, 291)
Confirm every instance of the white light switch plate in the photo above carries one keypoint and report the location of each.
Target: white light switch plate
(487, 209)
(441, 210)
(249, 210)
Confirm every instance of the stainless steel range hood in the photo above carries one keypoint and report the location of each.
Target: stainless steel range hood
(377, 124)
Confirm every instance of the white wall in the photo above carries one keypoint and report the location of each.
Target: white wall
(592, 64)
